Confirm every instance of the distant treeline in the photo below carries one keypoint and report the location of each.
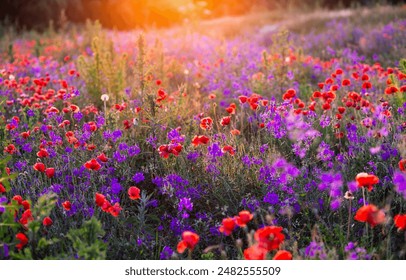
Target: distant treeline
(125, 14)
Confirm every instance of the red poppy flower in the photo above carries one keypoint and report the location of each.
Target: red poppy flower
(370, 214)
(74, 108)
(50, 172)
(326, 106)
(341, 110)
(366, 180)
(43, 153)
(25, 134)
(175, 149)
(206, 123)
(282, 255)
(134, 193)
(11, 149)
(47, 221)
(269, 237)
(228, 225)
(127, 124)
(235, 132)
(402, 165)
(39, 166)
(400, 221)
(212, 96)
(366, 85)
(225, 121)
(26, 217)
(18, 198)
(100, 199)
(253, 105)
(93, 126)
(391, 90)
(26, 204)
(92, 164)
(2, 188)
(242, 99)
(115, 209)
(161, 95)
(10, 126)
(106, 206)
(228, 149)
(189, 241)
(289, 94)
(200, 140)
(230, 110)
(265, 103)
(243, 218)
(102, 157)
(163, 151)
(67, 205)
(23, 240)
(346, 82)
(255, 252)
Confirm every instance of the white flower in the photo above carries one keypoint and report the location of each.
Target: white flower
(105, 97)
(348, 195)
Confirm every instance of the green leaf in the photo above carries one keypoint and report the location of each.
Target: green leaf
(402, 65)
(86, 240)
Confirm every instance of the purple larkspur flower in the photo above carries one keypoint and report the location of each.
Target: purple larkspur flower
(214, 151)
(116, 187)
(107, 135)
(399, 180)
(27, 148)
(78, 116)
(117, 134)
(152, 141)
(122, 146)
(100, 121)
(166, 253)
(271, 198)
(324, 152)
(119, 157)
(325, 121)
(185, 203)
(138, 177)
(133, 150)
(246, 160)
(152, 203)
(3, 200)
(175, 137)
(193, 156)
(263, 148)
(56, 188)
(20, 165)
(30, 113)
(335, 204)
(316, 251)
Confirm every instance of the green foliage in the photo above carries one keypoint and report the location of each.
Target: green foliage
(208, 256)
(39, 246)
(86, 240)
(5, 178)
(402, 65)
(103, 72)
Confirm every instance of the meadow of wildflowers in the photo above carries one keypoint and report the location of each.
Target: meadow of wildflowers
(179, 144)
